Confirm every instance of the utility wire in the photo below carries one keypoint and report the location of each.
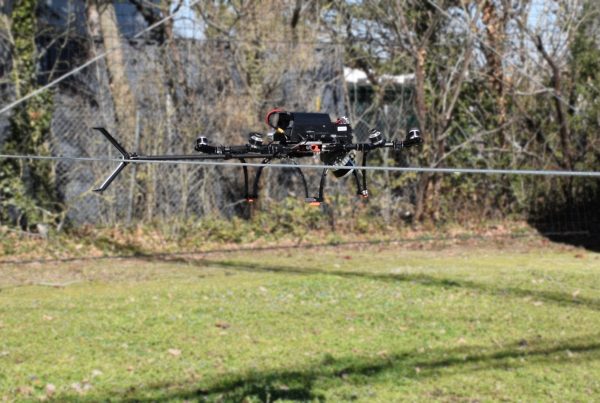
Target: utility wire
(89, 62)
(525, 172)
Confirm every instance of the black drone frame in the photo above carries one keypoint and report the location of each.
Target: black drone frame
(271, 151)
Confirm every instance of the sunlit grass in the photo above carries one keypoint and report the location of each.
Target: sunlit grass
(337, 324)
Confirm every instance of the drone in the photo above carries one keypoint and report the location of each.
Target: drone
(292, 135)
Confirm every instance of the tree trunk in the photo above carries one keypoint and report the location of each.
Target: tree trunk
(123, 98)
(495, 31)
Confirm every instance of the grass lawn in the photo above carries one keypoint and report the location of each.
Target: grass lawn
(473, 321)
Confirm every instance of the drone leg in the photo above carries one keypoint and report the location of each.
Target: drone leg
(303, 180)
(254, 194)
(245, 169)
(322, 185)
(316, 201)
(364, 191)
(359, 189)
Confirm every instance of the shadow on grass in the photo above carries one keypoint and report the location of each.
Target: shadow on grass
(588, 241)
(311, 381)
(129, 251)
(553, 297)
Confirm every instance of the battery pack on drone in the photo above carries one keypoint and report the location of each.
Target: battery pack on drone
(297, 127)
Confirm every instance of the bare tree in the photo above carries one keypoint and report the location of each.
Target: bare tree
(103, 20)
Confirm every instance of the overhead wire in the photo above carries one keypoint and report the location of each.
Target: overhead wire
(89, 62)
(484, 171)
(282, 165)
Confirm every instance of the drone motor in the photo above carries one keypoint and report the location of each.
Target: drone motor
(255, 140)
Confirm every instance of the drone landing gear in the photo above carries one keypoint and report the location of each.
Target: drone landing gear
(245, 169)
(303, 179)
(316, 201)
(251, 198)
(361, 190)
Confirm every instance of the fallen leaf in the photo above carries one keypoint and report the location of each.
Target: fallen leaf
(174, 352)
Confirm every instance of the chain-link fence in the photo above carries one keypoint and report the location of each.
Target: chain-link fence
(185, 89)
(156, 95)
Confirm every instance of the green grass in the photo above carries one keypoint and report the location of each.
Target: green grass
(447, 323)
